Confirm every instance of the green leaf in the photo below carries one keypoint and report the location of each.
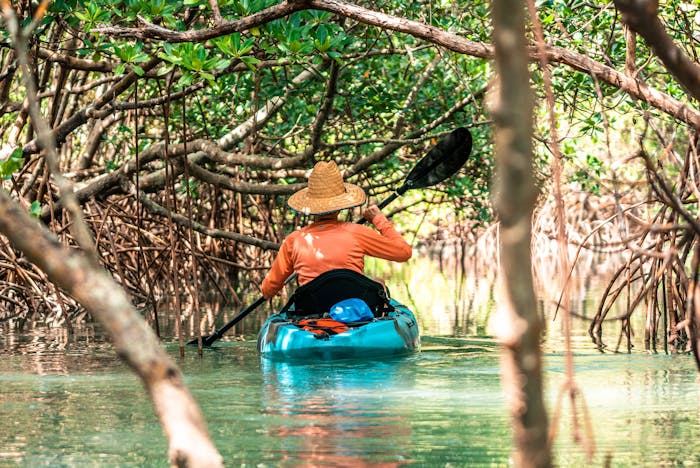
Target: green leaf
(322, 34)
(251, 62)
(35, 209)
(186, 79)
(322, 46)
(295, 47)
(223, 64)
(247, 46)
(164, 70)
(12, 164)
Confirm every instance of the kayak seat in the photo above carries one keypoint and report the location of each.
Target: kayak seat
(316, 297)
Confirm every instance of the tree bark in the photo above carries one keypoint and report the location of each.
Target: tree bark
(517, 325)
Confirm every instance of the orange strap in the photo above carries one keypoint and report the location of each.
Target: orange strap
(322, 325)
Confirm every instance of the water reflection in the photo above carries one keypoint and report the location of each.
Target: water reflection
(644, 409)
(66, 399)
(337, 414)
(54, 351)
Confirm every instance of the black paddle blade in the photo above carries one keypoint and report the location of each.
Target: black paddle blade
(442, 161)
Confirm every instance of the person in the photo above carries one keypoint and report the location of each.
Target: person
(328, 243)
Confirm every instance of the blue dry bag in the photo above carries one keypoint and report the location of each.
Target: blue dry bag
(351, 310)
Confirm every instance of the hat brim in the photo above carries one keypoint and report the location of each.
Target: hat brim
(302, 202)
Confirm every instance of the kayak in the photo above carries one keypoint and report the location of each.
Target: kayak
(395, 334)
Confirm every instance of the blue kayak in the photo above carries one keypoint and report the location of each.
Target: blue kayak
(396, 333)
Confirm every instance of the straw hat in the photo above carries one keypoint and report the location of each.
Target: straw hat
(326, 192)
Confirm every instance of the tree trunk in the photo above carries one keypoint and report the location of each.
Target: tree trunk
(517, 324)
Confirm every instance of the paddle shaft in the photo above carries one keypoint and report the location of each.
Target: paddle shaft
(396, 194)
(210, 339)
(408, 184)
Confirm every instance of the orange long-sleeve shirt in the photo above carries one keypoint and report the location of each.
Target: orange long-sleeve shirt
(328, 245)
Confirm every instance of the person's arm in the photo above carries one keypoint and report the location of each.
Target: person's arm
(281, 268)
(387, 243)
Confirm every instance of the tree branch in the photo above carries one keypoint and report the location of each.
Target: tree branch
(224, 181)
(642, 17)
(432, 34)
(152, 31)
(184, 221)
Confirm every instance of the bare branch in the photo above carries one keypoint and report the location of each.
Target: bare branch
(44, 135)
(642, 17)
(224, 181)
(159, 210)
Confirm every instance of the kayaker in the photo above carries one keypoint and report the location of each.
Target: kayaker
(328, 243)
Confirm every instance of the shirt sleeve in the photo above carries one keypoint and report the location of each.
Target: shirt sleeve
(281, 268)
(387, 244)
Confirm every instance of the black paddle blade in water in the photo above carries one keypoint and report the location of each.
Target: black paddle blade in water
(207, 341)
(442, 161)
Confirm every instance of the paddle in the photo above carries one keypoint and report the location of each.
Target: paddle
(441, 162)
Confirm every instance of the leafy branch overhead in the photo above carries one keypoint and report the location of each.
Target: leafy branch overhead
(207, 114)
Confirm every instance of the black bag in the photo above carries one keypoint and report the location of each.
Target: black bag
(316, 297)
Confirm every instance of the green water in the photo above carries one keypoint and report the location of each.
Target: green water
(71, 402)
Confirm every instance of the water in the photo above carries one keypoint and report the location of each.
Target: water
(71, 402)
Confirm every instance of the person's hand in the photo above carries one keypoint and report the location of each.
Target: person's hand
(371, 212)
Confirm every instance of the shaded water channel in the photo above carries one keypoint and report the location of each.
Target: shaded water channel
(68, 401)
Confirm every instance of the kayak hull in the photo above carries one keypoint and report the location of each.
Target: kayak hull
(393, 335)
